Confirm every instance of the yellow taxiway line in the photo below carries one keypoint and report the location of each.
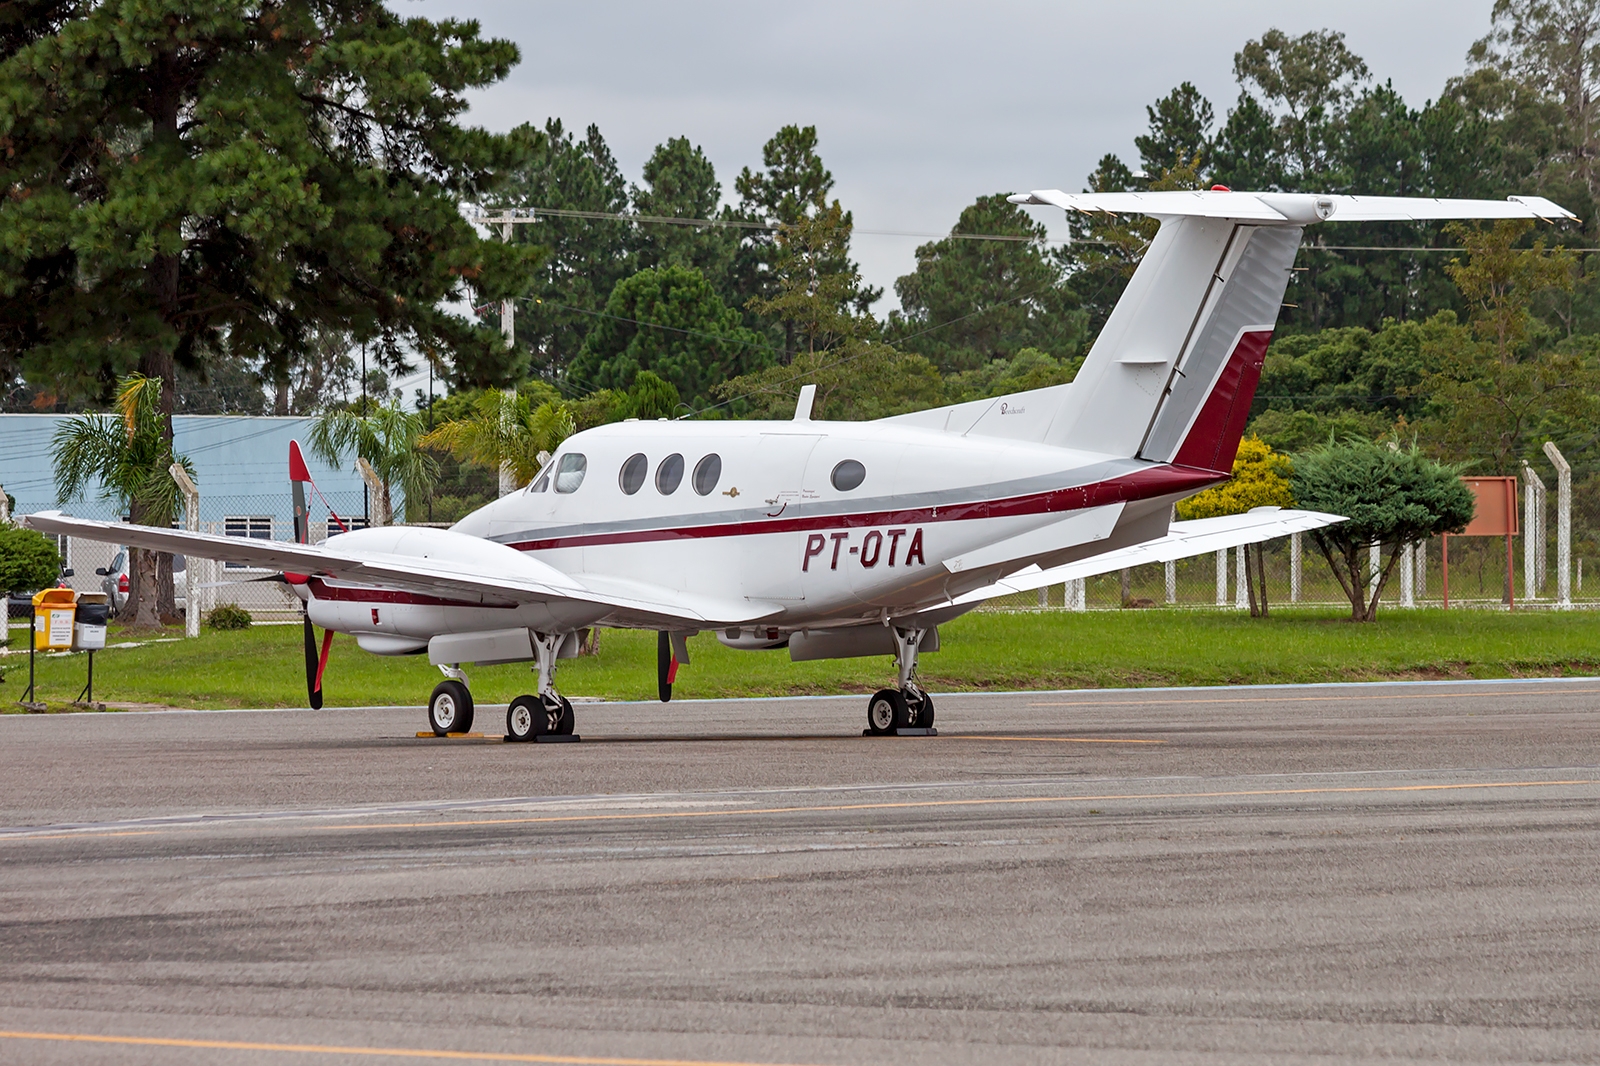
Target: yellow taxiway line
(336, 1049)
(996, 801)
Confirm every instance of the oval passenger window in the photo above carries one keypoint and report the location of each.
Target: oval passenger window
(633, 471)
(669, 475)
(570, 471)
(848, 475)
(707, 472)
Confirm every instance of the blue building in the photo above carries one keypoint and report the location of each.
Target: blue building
(241, 467)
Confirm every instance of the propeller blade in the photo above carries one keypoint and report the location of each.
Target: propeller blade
(313, 668)
(666, 666)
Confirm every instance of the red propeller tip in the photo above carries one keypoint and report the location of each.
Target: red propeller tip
(298, 471)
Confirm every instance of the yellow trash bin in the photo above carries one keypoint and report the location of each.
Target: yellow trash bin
(53, 611)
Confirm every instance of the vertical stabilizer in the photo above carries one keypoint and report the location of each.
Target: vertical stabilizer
(1173, 372)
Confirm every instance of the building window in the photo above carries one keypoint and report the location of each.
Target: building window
(256, 527)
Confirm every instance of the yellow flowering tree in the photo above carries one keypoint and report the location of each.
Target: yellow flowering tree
(1260, 479)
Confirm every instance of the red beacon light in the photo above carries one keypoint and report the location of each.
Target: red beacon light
(1220, 188)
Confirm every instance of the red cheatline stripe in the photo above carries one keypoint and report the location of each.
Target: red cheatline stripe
(1139, 485)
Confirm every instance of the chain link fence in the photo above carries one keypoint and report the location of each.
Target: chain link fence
(1477, 577)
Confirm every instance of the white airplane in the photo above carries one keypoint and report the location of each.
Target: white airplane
(838, 539)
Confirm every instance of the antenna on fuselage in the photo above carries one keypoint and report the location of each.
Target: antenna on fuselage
(802, 407)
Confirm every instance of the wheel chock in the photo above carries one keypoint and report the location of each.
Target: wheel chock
(906, 731)
(555, 738)
(431, 735)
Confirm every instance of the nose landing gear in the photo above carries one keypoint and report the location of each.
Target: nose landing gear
(906, 711)
(450, 706)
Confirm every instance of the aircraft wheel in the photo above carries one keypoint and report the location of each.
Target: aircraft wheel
(920, 712)
(450, 708)
(525, 718)
(887, 712)
(565, 723)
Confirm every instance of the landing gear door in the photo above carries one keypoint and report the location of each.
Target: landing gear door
(771, 561)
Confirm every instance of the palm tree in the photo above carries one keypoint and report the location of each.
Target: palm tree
(506, 432)
(130, 455)
(390, 440)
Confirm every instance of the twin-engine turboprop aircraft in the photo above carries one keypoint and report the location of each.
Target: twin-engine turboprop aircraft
(837, 539)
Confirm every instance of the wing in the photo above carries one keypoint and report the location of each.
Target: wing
(1295, 208)
(482, 572)
(1184, 539)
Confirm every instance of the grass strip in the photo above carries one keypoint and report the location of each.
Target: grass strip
(263, 666)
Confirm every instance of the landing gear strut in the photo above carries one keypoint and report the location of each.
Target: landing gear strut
(546, 716)
(906, 710)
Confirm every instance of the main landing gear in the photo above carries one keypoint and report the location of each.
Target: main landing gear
(546, 716)
(905, 711)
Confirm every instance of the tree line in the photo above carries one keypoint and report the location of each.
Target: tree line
(268, 210)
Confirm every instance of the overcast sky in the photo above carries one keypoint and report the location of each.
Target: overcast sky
(919, 107)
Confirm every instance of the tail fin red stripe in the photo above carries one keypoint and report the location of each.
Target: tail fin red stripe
(1213, 437)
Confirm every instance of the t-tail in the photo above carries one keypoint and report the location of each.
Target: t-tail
(1172, 375)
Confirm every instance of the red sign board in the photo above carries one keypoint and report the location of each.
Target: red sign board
(1497, 507)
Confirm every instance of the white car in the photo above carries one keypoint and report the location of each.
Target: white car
(114, 581)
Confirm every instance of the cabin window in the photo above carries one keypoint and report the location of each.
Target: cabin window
(570, 471)
(849, 475)
(669, 475)
(631, 477)
(707, 472)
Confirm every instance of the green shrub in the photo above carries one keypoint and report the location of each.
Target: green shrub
(229, 616)
(28, 560)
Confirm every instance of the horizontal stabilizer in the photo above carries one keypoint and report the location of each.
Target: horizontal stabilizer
(1298, 209)
(1184, 539)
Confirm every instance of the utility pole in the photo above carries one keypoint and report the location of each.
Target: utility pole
(191, 522)
(508, 329)
(1563, 525)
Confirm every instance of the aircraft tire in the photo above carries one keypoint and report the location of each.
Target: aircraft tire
(450, 708)
(525, 718)
(886, 712)
(568, 720)
(920, 713)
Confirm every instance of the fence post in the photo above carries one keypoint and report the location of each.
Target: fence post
(5, 507)
(1294, 568)
(1408, 577)
(1563, 524)
(1075, 593)
(1241, 581)
(191, 522)
(1171, 567)
(1222, 577)
(1420, 557)
(1532, 532)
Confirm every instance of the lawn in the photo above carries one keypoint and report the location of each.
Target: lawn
(262, 666)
